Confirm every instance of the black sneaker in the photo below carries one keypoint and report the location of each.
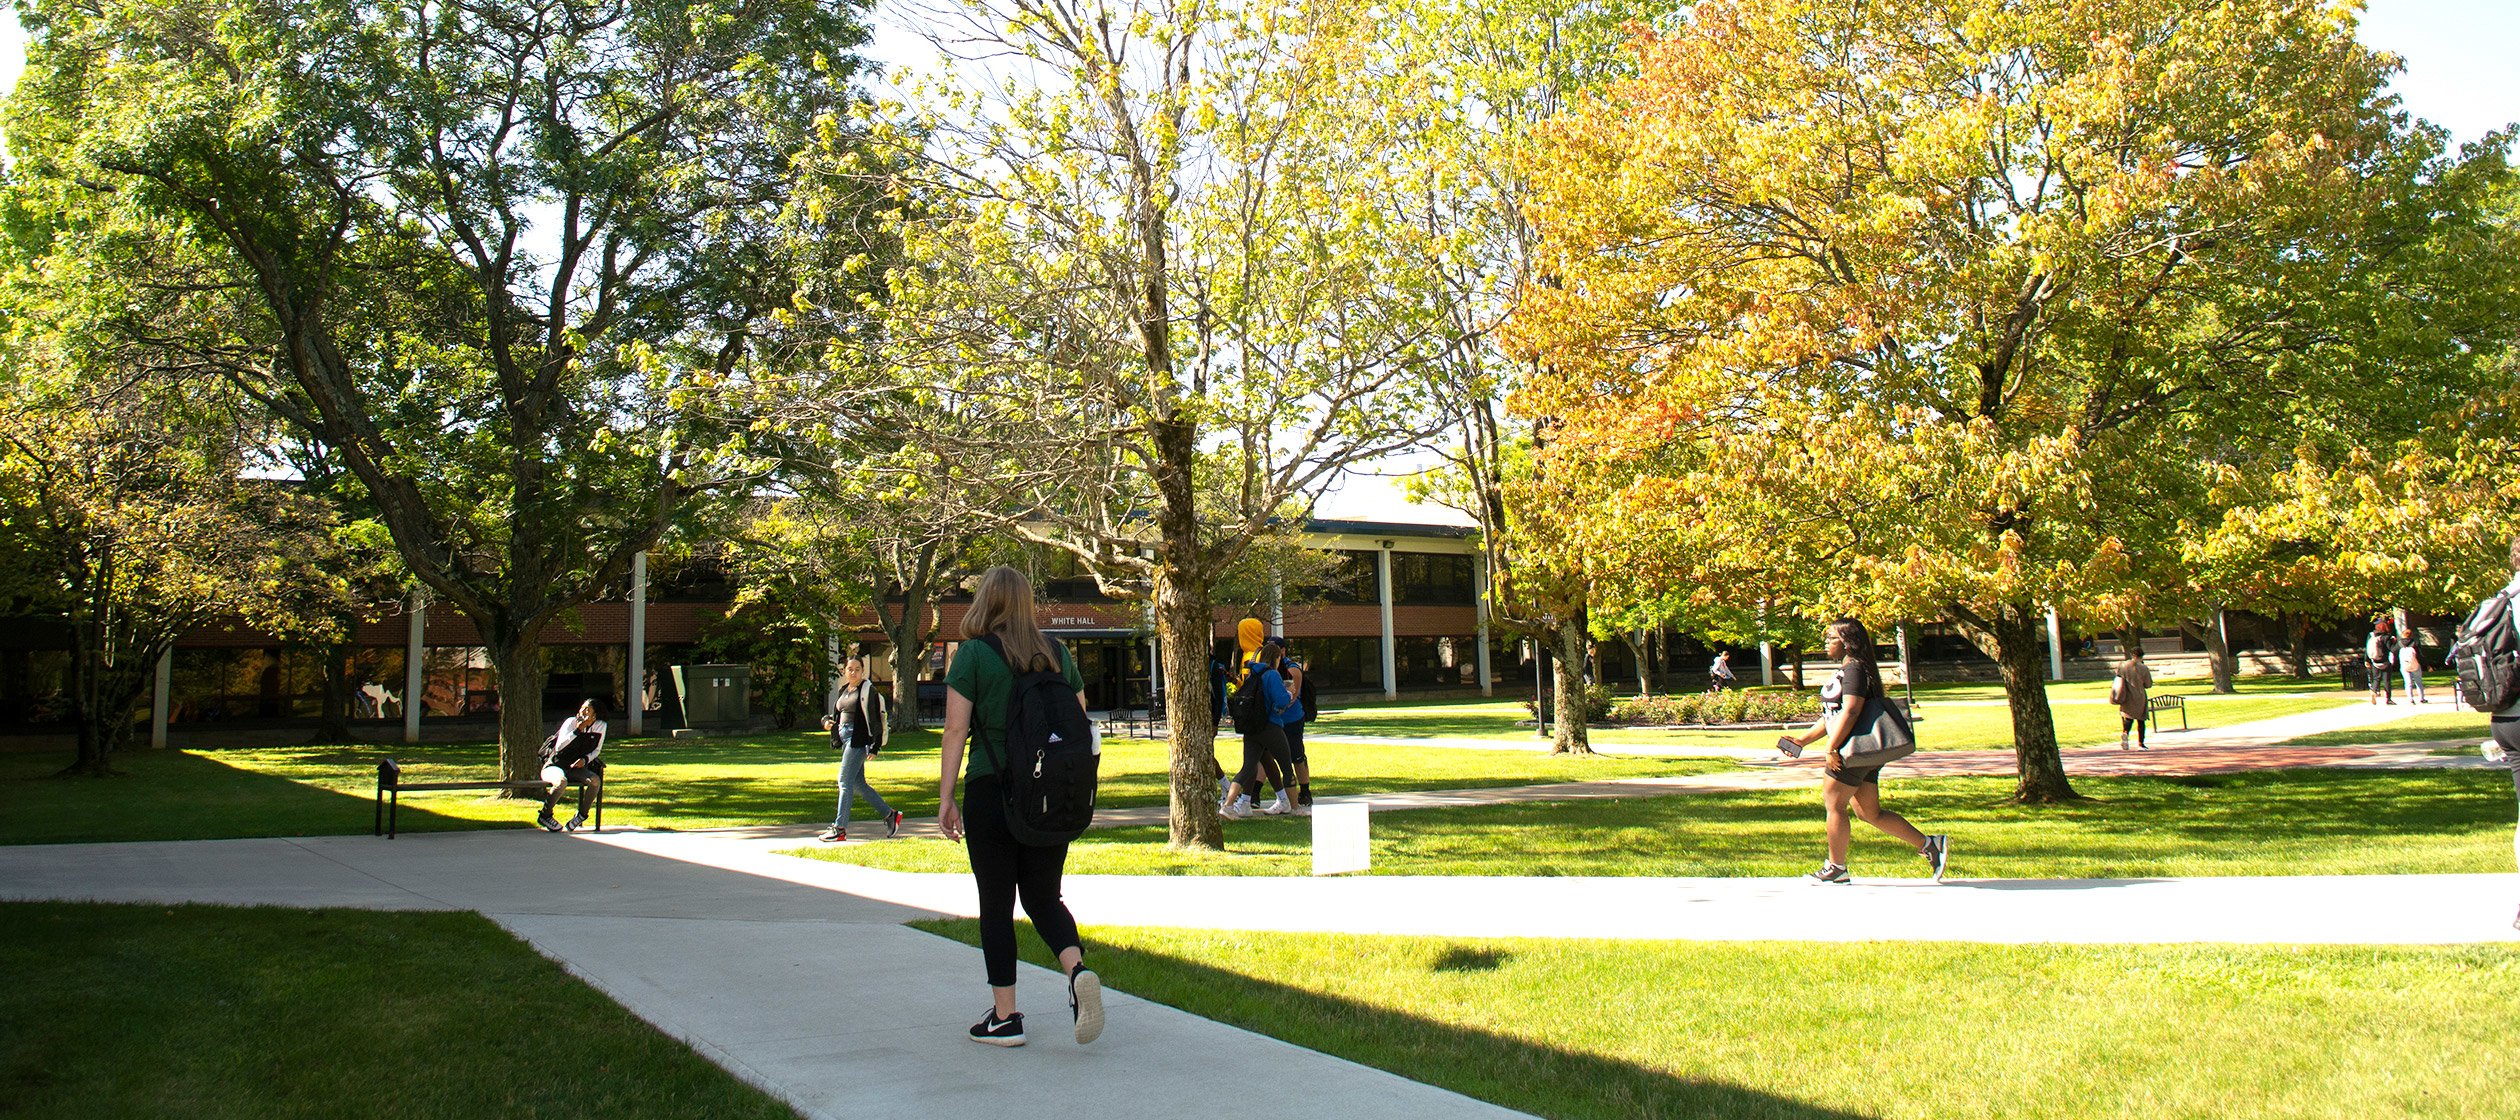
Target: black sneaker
(994, 1031)
(575, 823)
(549, 822)
(1937, 853)
(892, 825)
(1829, 873)
(1085, 1003)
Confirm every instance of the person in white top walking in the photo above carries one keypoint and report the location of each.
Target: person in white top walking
(2411, 666)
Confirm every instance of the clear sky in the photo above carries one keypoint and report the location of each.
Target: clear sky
(2462, 72)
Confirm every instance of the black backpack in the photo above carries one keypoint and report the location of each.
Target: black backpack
(1248, 707)
(2487, 656)
(1051, 765)
(1305, 697)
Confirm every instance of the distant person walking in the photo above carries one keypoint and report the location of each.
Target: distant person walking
(2380, 655)
(1295, 672)
(977, 688)
(1719, 675)
(2411, 666)
(576, 758)
(858, 729)
(1843, 701)
(2131, 691)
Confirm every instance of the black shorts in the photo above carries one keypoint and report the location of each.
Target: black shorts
(1857, 775)
(1295, 744)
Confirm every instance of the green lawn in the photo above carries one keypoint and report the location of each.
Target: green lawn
(2297, 822)
(2441, 723)
(195, 1011)
(681, 784)
(1945, 726)
(1597, 1030)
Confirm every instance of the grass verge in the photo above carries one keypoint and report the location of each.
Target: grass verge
(196, 1011)
(2286, 822)
(2413, 729)
(1597, 1030)
(1946, 725)
(679, 784)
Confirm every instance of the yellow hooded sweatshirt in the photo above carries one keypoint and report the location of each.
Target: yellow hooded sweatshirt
(1250, 632)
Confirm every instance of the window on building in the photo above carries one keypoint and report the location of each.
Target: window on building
(1430, 579)
(1352, 580)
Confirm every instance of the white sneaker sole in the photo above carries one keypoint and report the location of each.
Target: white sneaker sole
(1018, 1040)
(1089, 1009)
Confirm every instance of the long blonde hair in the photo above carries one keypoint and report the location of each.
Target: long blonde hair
(1002, 604)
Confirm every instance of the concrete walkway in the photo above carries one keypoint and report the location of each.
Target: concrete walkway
(816, 994)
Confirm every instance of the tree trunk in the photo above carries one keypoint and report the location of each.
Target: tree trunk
(2015, 636)
(1644, 679)
(333, 723)
(909, 633)
(518, 662)
(2297, 644)
(96, 738)
(1571, 734)
(1798, 667)
(1185, 629)
(2218, 658)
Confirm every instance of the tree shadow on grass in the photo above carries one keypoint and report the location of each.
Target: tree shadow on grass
(180, 795)
(1516, 1073)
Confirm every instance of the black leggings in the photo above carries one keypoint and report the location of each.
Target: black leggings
(1005, 867)
(1265, 746)
(2128, 723)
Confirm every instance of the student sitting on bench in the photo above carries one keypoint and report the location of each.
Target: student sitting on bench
(575, 753)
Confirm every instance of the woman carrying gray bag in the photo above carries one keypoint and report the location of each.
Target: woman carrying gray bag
(1865, 733)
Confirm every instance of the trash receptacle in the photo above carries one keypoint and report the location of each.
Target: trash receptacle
(715, 696)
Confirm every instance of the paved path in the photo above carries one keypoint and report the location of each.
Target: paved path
(814, 993)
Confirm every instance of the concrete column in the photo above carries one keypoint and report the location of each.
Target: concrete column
(161, 698)
(2056, 648)
(415, 667)
(634, 693)
(1479, 591)
(831, 669)
(1767, 651)
(1390, 645)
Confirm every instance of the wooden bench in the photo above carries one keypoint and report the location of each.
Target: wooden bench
(390, 787)
(2159, 704)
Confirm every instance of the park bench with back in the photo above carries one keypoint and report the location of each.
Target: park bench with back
(390, 787)
(2159, 704)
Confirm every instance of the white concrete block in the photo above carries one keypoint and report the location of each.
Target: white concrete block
(1340, 838)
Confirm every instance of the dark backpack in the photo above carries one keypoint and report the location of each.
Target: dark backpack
(2487, 656)
(1250, 704)
(1051, 765)
(1305, 696)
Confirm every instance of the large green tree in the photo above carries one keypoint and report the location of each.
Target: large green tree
(1152, 303)
(518, 265)
(1959, 291)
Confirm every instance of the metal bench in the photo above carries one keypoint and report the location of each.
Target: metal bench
(2159, 704)
(390, 787)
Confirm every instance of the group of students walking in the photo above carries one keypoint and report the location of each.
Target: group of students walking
(1265, 699)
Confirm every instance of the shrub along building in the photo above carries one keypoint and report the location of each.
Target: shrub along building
(1402, 612)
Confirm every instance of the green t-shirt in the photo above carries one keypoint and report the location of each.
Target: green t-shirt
(983, 678)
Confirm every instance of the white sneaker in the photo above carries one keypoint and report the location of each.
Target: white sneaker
(1302, 809)
(1237, 809)
(1279, 807)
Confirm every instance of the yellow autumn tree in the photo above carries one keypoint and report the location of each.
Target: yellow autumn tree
(1964, 300)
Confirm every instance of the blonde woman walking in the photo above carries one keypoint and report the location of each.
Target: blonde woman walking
(977, 688)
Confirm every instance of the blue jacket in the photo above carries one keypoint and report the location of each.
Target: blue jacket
(1274, 698)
